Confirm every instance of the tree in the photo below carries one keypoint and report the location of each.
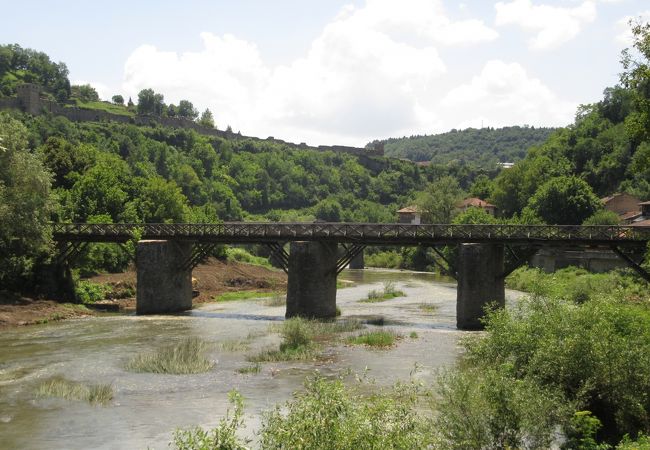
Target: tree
(206, 119)
(118, 99)
(566, 200)
(636, 78)
(85, 93)
(25, 204)
(328, 210)
(603, 217)
(150, 103)
(438, 202)
(186, 110)
(482, 187)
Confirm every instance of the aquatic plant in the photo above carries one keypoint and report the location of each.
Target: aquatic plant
(389, 292)
(253, 368)
(234, 345)
(184, 357)
(61, 387)
(381, 338)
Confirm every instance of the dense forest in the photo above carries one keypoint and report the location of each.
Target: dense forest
(480, 147)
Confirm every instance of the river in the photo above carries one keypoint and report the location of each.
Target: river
(148, 407)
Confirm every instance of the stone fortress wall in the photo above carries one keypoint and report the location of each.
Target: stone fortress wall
(30, 101)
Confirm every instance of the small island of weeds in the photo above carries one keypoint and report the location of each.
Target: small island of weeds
(388, 292)
(60, 387)
(185, 357)
(301, 338)
(379, 339)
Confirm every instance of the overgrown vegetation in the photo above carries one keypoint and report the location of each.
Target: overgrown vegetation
(60, 387)
(184, 357)
(388, 292)
(380, 338)
(301, 339)
(240, 295)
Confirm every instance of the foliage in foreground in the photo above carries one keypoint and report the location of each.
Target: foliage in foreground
(185, 357)
(61, 387)
(222, 437)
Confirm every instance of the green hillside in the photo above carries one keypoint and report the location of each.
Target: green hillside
(480, 147)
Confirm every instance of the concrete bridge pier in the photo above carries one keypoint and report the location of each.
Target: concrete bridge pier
(480, 282)
(311, 287)
(163, 286)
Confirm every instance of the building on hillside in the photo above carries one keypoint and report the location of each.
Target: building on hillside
(474, 202)
(621, 203)
(645, 209)
(410, 215)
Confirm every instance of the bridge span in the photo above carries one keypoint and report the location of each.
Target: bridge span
(318, 252)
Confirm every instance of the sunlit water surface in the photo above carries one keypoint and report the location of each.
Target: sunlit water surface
(148, 407)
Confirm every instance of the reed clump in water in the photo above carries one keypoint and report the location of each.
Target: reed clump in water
(381, 338)
(96, 394)
(185, 357)
(389, 291)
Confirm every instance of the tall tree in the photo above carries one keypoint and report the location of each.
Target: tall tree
(150, 103)
(25, 204)
(438, 202)
(564, 201)
(206, 119)
(187, 110)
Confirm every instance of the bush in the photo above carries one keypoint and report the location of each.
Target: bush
(88, 292)
(329, 415)
(595, 354)
(222, 437)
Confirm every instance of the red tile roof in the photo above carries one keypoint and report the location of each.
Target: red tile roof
(641, 223)
(477, 202)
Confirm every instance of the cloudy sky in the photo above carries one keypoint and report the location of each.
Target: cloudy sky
(341, 72)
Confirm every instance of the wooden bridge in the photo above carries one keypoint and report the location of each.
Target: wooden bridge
(167, 253)
(364, 233)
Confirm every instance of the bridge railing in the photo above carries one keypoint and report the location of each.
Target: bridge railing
(374, 232)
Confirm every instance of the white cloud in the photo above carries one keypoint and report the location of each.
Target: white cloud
(374, 71)
(552, 25)
(504, 94)
(624, 35)
(103, 91)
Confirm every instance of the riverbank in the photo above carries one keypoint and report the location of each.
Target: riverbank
(211, 279)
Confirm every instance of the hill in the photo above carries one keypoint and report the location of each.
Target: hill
(479, 147)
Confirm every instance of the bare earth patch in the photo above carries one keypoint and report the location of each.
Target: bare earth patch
(211, 279)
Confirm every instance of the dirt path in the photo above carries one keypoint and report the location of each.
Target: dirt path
(210, 279)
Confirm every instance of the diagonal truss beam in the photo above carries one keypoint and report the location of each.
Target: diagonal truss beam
(70, 251)
(518, 260)
(200, 252)
(630, 262)
(450, 269)
(279, 255)
(351, 251)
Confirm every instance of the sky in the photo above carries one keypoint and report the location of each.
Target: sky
(341, 72)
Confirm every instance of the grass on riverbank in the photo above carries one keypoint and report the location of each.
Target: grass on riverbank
(428, 307)
(379, 339)
(96, 394)
(185, 357)
(240, 295)
(388, 292)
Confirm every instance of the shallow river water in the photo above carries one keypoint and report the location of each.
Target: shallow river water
(148, 407)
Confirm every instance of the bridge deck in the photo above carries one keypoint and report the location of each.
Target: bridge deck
(364, 233)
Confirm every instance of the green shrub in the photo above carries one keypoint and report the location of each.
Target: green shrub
(595, 354)
(222, 437)
(243, 256)
(388, 260)
(328, 415)
(88, 292)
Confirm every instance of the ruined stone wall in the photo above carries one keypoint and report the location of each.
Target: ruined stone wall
(30, 101)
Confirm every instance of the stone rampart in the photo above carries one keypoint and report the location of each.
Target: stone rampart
(30, 101)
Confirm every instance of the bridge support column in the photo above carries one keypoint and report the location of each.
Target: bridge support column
(357, 262)
(311, 288)
(480, 282)
(164, 282)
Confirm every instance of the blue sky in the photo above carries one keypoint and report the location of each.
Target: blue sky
(339, 71)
